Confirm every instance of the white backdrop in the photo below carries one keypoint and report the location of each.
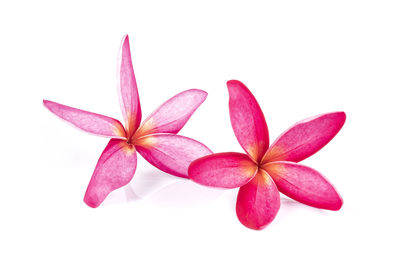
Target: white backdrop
(299, 58)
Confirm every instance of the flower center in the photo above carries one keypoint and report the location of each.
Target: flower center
(260, 166)
(129, 140)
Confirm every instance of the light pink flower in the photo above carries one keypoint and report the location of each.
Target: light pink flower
(155, 139)
(264, 170)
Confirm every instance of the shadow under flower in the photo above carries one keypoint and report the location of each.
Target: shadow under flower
(162, 189)
(290, 207)
(144, 184)
(184, 194)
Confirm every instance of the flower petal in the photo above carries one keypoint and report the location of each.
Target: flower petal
(223, 170)
(127, 88)
(247, 120)
(87, 121)
(171, 153)
(115, 168)
(304, 184)
(172, 115)
(258, 201)
(305, 138)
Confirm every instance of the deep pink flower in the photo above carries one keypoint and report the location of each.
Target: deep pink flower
(155, 139)
(264, 170)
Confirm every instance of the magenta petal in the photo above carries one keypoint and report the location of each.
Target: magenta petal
(304, 184)
(172, 115)
(171, 153)
(223, 170)
(305, 138)
(247, 120)
(115, 168)
(258, 202)
(127, 88)
(87, 121)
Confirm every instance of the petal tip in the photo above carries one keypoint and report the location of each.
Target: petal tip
(48, 104)
(93, 203)
(338, 205)
(45, 102)
(342, 115)
(255, 228)
(340, 118)
(233, 82)
(253, 225)
(236, 87)
(202, 94)
(124, 43)
(191, 169)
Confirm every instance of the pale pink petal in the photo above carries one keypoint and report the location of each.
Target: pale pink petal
(305, 138)
(223, 170)
(115, 168)
(247, 120)
(127, 88)
(172, 115)
(171, 153)
(304, 184)
(87, 121)
(258, 202)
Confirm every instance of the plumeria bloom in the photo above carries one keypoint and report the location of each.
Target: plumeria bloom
(264, 170)
(155, 139)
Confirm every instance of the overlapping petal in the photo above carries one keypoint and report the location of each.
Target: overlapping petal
(171, 153)
(127, 88)
(87, 121)
(172, 115)
(223, 170)
(304, 184)
(247, 120)
(258, 201)
(305, 138)
(115, 168)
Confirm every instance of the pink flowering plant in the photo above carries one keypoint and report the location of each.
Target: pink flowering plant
(155, 139)
(265, 170)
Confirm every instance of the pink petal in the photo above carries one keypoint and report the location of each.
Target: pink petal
(171, 153)
(87, 121)
(128, 92)
(304, 184)
(172, 115)
(115, 168)
(305, 138)
(247, 120)
(258, 202)
(223, 170)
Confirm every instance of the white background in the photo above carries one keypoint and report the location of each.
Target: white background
(299, 58)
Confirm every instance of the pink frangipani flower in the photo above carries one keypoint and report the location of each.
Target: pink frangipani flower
(264, 170)
(155, 139)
